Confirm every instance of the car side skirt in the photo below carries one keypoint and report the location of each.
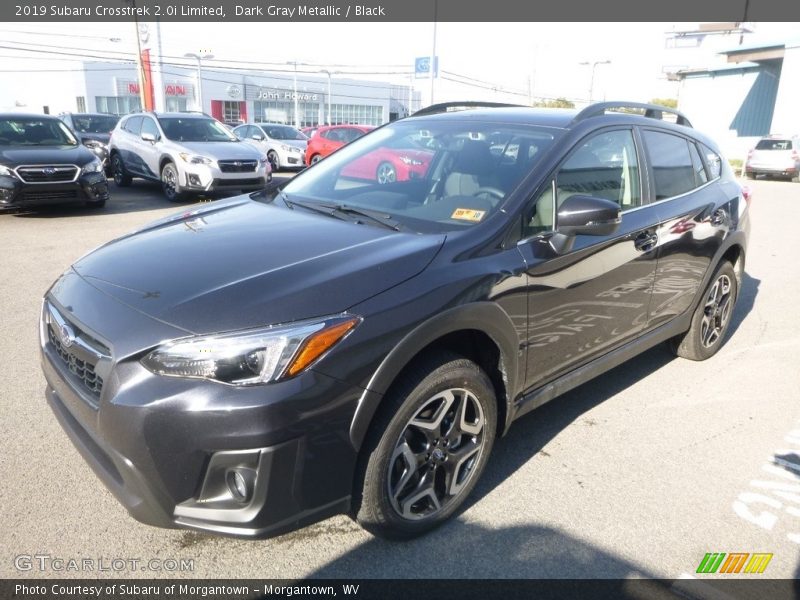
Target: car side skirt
(600, 365)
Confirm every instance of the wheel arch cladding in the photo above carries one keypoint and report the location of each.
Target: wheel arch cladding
(481, 332)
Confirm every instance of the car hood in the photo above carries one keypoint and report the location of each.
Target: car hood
(296, 143)
(97, 137)
(239, 263)
(223, 150)
(40, 155)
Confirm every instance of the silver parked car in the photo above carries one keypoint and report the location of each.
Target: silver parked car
(285, 146)
(187, 152)
(775, 155)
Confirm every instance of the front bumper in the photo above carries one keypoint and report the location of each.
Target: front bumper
(14, 193)
(209, 178)
(165, 446)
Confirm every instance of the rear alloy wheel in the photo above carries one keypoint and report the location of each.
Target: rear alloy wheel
(386, 173)
(121, 177)
(315, 159)
(274, 161)
(428, 448)
(711, 319)
(170, 183)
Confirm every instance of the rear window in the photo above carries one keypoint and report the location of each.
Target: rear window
(774, 145)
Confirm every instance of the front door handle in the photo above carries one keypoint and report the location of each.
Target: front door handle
(645, 241)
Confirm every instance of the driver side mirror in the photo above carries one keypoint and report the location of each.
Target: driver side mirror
(587, 215)
(258, 137)
(149, 137)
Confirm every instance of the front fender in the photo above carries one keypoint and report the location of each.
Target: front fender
(485, 317)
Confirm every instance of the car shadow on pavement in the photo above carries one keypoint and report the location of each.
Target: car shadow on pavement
(745, 302)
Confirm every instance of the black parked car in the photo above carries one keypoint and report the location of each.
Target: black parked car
(341, 345)
(42, 162)
(94, 131)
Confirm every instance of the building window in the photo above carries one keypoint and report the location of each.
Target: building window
(117, 105)
(80, 102)
(356, 114)
(232, 112)
(175, 104)
(274, 111)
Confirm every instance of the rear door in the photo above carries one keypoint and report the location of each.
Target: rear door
(593, 296)
(695, 217)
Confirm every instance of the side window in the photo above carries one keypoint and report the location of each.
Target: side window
(133, 125)
(673, 171)
(604, 165)
(149, 126)
(700, 176)
(713, 160)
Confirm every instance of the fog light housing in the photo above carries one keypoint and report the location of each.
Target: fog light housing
(194, 180)
(240, 484)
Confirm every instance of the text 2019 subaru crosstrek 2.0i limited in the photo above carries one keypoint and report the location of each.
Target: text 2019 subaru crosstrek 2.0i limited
(340, 345)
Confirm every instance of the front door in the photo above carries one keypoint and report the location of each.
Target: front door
(594, 294)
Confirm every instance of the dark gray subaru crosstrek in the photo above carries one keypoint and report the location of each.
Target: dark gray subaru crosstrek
(344, 343)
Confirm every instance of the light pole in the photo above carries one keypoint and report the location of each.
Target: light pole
(329, 74)
(591, 81)
(294, 94)
(199, 58)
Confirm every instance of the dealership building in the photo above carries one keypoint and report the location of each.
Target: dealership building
(245, 96)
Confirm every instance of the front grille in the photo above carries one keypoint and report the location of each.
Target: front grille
(237, 166)
(82, 369)
(45, 196)
(47, 173)
(238, 182)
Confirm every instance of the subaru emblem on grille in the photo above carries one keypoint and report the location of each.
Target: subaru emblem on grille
(67, 336)
(49, 171)
(238, 163)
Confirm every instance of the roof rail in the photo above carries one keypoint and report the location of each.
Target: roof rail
(652, 111)
(434, 109)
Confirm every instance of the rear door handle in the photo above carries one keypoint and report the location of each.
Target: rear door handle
(645, 241)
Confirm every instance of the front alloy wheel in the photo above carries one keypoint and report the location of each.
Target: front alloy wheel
(426, 448)
(386, 173)
(170, 183)
(436, 454)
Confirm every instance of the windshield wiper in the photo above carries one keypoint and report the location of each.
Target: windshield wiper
(342, 211)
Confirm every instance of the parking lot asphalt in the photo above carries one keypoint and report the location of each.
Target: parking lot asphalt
(639, 473)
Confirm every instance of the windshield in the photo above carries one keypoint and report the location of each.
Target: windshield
(283, 132)
(193, 129)
(94, 123)
(428, 175)
(35, 132)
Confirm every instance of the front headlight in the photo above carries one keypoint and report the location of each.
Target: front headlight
(93, 167)
(93, 144)
(251, 357)
(288, 148)
(6, 171)
(195, 159)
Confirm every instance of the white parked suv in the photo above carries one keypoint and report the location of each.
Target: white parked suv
(285, 146)
(187, 152)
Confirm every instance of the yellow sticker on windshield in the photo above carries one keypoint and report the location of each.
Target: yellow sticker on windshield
(468, 214)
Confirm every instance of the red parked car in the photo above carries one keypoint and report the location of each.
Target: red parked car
(332, 137)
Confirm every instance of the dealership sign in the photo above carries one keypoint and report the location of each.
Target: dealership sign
(284, 95)
(127, 87)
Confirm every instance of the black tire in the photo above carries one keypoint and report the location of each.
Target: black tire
(121, 176)
(712, 317)
(750, 175)
(96, 204)
(274, 161)
(441, 395)
(170, 183)
(386, 173)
